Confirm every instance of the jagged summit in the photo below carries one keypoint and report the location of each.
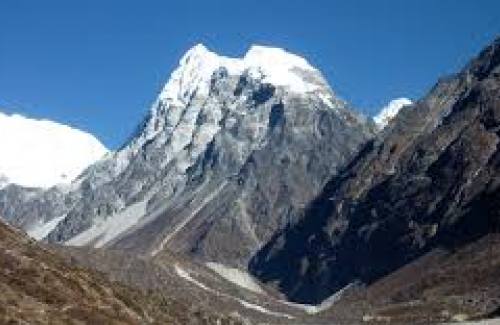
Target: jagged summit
(193, 78)
(273, 65)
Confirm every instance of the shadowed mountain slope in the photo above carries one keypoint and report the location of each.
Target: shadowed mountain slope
(431, 179)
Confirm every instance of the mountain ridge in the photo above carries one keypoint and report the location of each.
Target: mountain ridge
(428, 180)
(200, 172)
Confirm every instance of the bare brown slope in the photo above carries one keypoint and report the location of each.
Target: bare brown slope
(439, 287)
(443, 284)
(38, 287)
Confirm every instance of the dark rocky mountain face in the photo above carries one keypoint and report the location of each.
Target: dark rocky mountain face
(231, 149)
(431, 179)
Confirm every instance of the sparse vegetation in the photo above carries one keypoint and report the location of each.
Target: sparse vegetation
(39, 287)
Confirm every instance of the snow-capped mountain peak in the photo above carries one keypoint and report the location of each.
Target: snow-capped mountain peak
(193, 78)
(215, 132)
(42, 153)
(388, 112)
(276, 66)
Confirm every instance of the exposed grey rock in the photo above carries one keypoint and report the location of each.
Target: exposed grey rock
(430, 179)
(227, 155)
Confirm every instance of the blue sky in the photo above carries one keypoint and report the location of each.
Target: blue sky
(98, 65)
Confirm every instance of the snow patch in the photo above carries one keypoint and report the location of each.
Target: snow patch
(42, 153)
(40, 230)
(104, 231)
(387, 113)
(324, 305)
(326, 99)
(186, 276)
(263, 310)
(236, 276)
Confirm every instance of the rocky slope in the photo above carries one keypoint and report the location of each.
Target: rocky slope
(39, 287)
(51, 284)
(442, 285)
(230, 149)
(221, 290)
(431, 179)
(48, 285)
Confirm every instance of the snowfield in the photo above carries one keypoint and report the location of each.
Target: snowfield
(42, 153)
(236, 276)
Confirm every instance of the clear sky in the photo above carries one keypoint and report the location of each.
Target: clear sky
(98, 64)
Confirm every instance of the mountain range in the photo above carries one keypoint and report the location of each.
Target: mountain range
(251, 182)
(200, 177)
